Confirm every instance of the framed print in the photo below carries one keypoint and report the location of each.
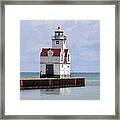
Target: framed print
(60, 59)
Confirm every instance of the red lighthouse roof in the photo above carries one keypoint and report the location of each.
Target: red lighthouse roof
(44, 52)
(65, 50)
(56, 51)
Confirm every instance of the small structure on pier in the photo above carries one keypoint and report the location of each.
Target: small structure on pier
(55, 61)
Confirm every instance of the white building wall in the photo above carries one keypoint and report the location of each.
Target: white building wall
(64, 44)
(60, 45)
(61, 57)
(44, 59)
(56, 69)
(58, 66)
(61, 69)
(64, 70)
(69, 57)
(49, 59)
(56, 59)
(67, 69)
(43, 68)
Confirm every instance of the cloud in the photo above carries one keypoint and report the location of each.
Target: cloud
(83, 41)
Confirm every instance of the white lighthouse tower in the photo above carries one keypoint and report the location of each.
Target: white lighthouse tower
(59, 40)
(55, 61)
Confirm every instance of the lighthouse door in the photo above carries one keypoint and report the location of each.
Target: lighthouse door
(49, 70)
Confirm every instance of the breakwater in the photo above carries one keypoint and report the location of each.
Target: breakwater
(46, 83)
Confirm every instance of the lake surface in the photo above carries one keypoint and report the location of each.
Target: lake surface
(90, 92)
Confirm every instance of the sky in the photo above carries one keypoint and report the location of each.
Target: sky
(83, 41)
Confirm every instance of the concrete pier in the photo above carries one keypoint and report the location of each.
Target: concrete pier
(46, 83)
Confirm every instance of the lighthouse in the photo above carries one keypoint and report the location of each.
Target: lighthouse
(55, 61)
(54, 67)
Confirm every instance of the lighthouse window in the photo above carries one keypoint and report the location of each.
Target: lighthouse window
(68, 57)
(61, 57)
(56, 34)
(61, 34)
(57, 42)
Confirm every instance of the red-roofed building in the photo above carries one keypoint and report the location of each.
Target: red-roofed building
(55, 61)
(56, 52)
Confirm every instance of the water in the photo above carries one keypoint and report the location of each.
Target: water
(90, 92)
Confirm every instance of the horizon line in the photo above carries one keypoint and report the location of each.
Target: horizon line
(71, 72)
